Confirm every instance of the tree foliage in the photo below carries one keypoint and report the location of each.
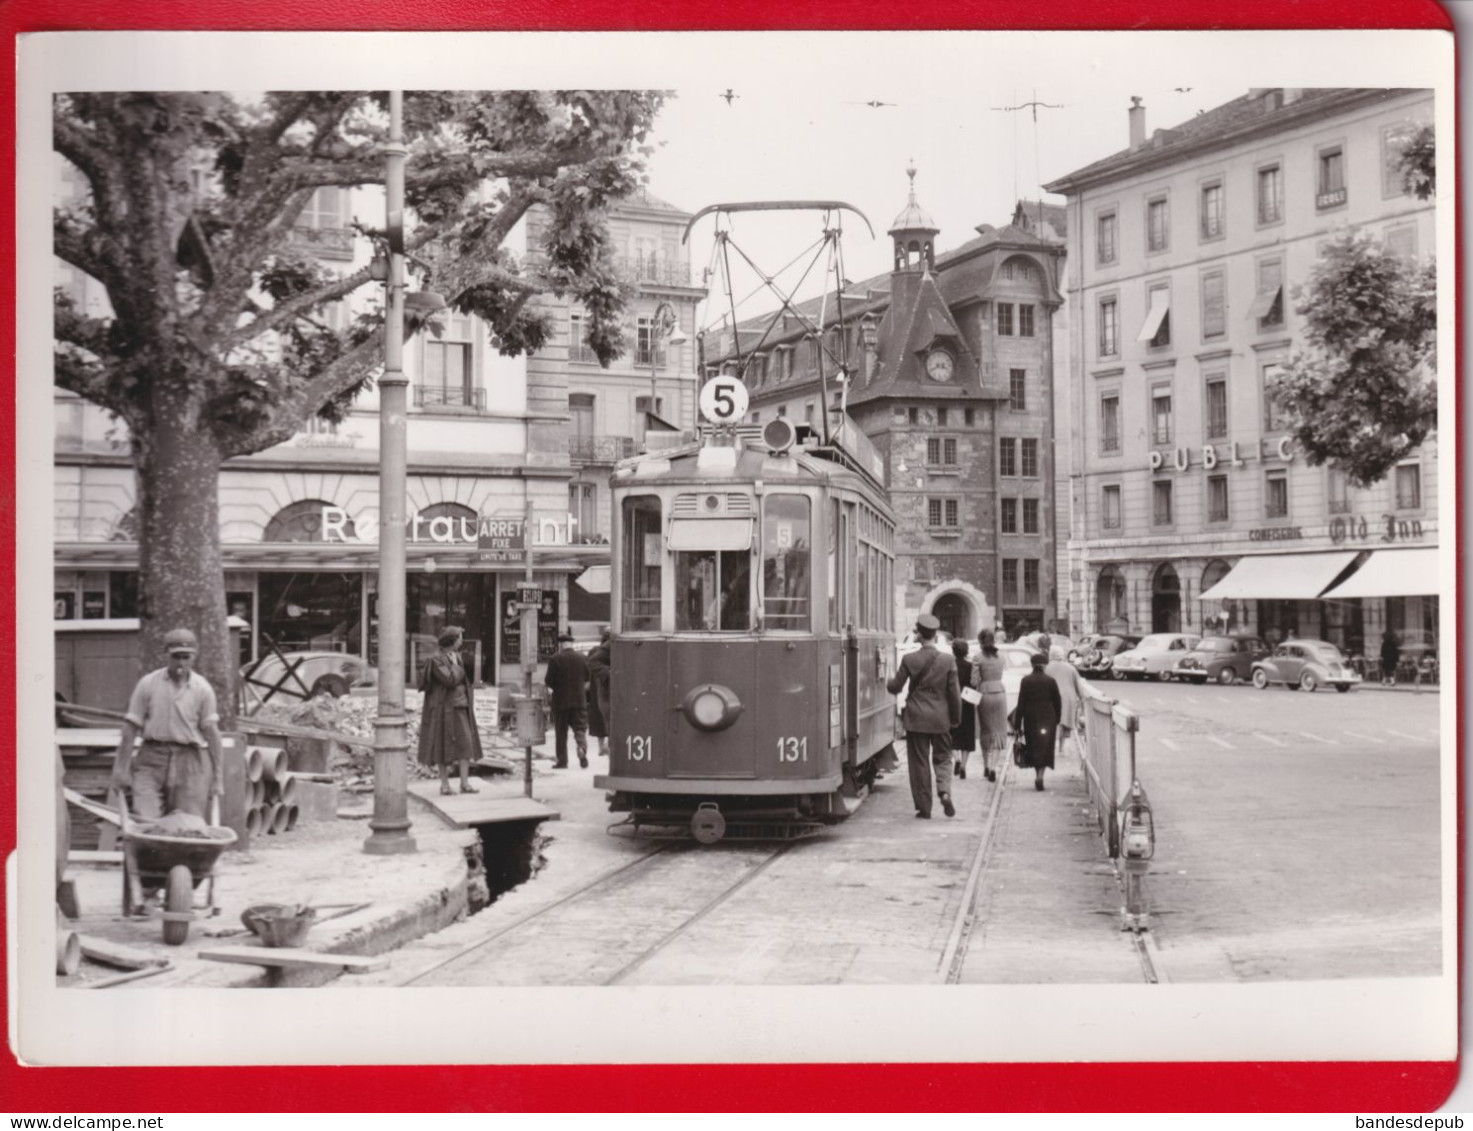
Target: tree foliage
(1418, 163)
(1362, 393)
(215, 300)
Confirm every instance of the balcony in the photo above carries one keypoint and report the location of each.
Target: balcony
(328, 243)
(599, 449)
(433, 396)
(654, 269)
(657, 358)
(582, 353)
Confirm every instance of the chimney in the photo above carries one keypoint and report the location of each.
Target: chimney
(1137, 122)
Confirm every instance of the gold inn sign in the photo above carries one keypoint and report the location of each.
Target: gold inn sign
(1228, 456)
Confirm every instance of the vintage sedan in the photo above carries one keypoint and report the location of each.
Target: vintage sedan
(1156, 655)
(1225, 659)
(1096, 660)
(1305, 665)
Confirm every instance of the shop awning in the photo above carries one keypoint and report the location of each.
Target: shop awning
(1281, 577)
(1160, 307)
(1393, 573)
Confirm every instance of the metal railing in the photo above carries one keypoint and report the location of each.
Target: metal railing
(434, 396)
(1122, 810)
(600, 449)
(653, 269)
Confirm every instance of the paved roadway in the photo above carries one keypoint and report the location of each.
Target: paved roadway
(1297, 834)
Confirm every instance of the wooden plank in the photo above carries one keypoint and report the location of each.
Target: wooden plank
(91, 856)
(292, 730)
(94, 737)
(294, 958)
(466, 810)
(116, 954)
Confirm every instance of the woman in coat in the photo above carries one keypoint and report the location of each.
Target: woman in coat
(1071, 691)
(598, 702)
(992, 710)
(1036, 718)
(964, 734)
(447, 724)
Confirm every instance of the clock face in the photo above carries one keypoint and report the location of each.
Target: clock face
(939, 365)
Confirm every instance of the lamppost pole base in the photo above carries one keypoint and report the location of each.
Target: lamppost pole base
(390, 823)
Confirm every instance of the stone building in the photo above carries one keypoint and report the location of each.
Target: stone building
(1192, 509)
(951, 377)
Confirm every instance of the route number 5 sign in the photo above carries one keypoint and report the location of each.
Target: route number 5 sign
(723, 400)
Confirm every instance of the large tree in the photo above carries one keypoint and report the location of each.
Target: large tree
(217, 346)
(1361, 394)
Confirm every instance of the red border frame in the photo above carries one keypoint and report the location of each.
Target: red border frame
(1369, 1087)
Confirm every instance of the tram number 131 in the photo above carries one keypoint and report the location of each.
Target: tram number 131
(792, 749)
(639, 747)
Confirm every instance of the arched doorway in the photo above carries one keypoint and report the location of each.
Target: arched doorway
(1165, 600)
(1110, 601)
(955, 614)
(1218, 616)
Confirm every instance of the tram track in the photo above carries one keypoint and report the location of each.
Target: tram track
(633, 888)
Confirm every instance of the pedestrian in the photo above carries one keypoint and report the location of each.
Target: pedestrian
(1390, 657)
(1036, 718)
(964, 734)
(599, 670)
(933, 706)
(992, 708)
(567, 676)
(447, 722)
(178, 765)
(1072, 693)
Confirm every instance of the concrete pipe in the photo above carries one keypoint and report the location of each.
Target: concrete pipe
(278, 818)
(255, 820)
(270, 793)
(287, 789)
(293, 814)
(255, 765)
(258, 793)
(275, 764)
(68, 952)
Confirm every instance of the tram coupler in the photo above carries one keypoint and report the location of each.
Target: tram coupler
(1138, 846)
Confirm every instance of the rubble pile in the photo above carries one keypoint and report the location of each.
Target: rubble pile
(181, 824)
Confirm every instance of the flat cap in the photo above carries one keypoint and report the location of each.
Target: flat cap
(928, 622)
(181, 640)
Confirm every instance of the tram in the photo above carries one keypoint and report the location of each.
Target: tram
(753, 633)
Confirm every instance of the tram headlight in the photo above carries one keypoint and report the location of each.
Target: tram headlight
(711, 707)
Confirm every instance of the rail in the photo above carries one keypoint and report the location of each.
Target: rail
(1122, 809)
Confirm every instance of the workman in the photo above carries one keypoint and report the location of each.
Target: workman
(178, 766)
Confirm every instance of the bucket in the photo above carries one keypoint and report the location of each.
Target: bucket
(279, 924)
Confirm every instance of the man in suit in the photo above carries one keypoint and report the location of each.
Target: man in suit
(567, 676)
(933, 706)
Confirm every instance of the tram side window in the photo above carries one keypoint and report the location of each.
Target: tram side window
(834, 625)
(712, 588)
(643, 553)
(787, 546)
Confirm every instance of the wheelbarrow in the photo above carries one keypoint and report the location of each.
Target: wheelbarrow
(178, 864)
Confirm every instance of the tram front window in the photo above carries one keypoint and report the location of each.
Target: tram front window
(787, 543)
(712, 591)
(643, 552)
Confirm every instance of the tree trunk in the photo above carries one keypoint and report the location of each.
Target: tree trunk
(180, 580)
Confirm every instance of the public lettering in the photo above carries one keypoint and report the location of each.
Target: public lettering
(333, 521)
(1286, 449)
(1181, 459)
(1155, 461)
(1237, 459)
(1209, 457)
(1275, 533)
(1401, 528)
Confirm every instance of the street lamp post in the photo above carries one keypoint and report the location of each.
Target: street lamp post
(664, 327)
(390, 823)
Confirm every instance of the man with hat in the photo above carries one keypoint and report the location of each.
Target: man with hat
(933, 707)
(178, 765)
(567, 676)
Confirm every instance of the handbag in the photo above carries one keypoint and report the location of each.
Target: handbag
(1020, 751)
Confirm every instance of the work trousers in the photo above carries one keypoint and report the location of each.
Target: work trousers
(171, 775)
(577, 719)
(923, 752)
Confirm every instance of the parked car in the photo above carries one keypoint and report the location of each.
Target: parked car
(1226, 659)
(1156, 655)
(314, 672)
(1097, 661)
(1306, 665)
